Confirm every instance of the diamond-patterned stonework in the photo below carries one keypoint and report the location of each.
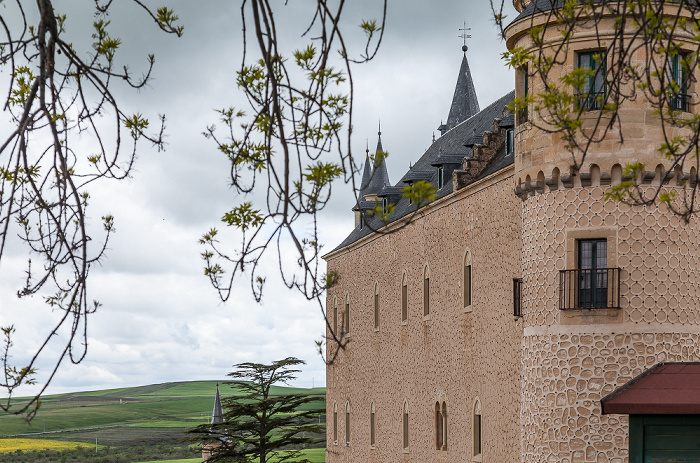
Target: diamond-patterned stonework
(656, 252)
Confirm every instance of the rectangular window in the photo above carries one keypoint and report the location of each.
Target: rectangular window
(441, 177)
(405, 429)
(510, 146)
(404, 301)
(592, 94)
(372, 430)
(517, 296)
(477, 435)
(347, 316)
(335, 426)
(678, 82)
(522, 113)
(335, 320)
(467, 285)
(376, 310)
(426, 296)
(593, 273)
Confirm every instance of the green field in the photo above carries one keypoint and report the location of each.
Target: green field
(150, 421)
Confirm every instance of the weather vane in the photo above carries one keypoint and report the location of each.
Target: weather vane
(465, 36)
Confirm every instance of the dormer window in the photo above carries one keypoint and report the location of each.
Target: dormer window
(441, 177)
(385, 205)
(362, 220)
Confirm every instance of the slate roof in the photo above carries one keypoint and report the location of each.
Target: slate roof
(464, 101)
(666, 388)
(217, 415)
(366, 176)
(379, 177)
(451, 144)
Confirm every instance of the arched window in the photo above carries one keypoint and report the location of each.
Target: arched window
(404, 297)
(335, 315)
(477, 424)
(346, 314)
(467, 280)
(376, 305)
(335, 423)
(347, 423)
(440, 426)
(405, 426)
(372, 427)
(426, 291)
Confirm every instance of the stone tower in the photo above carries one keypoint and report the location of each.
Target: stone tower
(608, 290)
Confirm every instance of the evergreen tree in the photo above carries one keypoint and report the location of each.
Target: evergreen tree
(259, 425)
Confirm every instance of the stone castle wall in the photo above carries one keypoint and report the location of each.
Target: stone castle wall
(453, 355)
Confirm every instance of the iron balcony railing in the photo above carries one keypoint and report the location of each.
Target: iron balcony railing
(591, 100)
(589, 289)
(679, 101)
(517, 295)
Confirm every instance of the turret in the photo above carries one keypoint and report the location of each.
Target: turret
(601, 281)
(464, 101)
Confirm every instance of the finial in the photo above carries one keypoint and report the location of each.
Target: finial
(380, 128)
(465, 36)
(367, 148)
(433, 137)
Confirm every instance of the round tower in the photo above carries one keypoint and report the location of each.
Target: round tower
(609, 290)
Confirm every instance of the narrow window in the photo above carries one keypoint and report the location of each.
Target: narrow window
(522, 113)
(592, 94)
(517, 298)
(335, 424)
(677, 90)
(335, 316)
(441, 177)
(509, 142)
(362, 220)
(477, 428)
(347, 423)
(426, 292)
(404, 298)
(467, 279)
(593, 273)
(439, 433)
(346, 314)
(376, 305)
(385, 205)
(444, 426)
(372, 428)
(405, 426)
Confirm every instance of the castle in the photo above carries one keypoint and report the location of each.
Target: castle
(520, 316)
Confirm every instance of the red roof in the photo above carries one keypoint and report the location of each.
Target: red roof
(664, 389)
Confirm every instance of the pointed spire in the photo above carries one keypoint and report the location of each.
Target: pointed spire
(464, 102)
(366, 174)
(217, 415)
(380, 175)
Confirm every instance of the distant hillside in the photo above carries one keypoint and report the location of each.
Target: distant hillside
(168, 405)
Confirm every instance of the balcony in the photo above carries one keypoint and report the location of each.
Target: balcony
(589, 289)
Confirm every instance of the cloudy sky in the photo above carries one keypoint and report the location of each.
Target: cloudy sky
(161, 320)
